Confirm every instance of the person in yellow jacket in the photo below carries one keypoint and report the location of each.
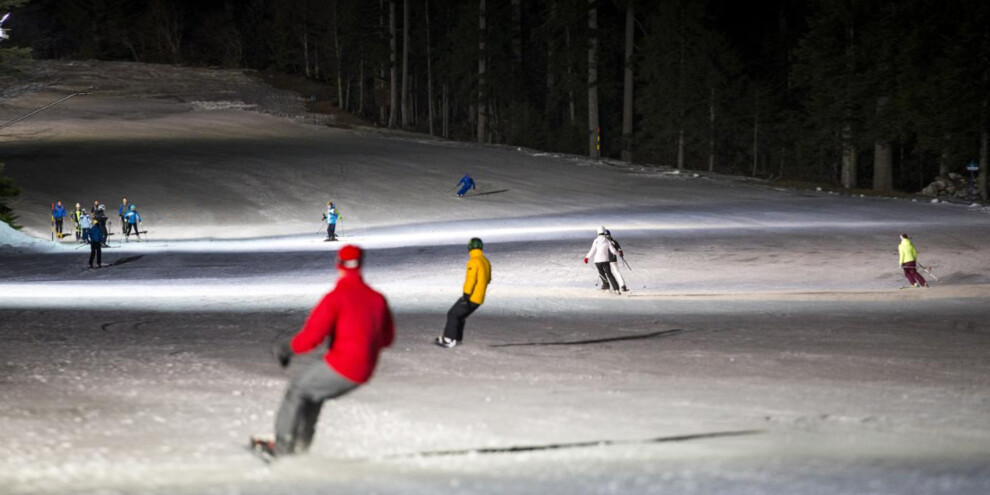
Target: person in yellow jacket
(479, 274)
(908, 261)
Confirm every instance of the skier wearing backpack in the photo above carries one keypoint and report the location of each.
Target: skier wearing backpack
(476, 280)
(909, 261)
(599, 254)
(466, 183)
(613, 263)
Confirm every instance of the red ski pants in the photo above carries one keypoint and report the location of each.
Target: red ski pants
(912, 275)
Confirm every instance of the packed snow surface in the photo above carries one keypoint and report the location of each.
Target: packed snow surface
(764, 346)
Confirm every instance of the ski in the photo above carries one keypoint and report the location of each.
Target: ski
(927, 270)
(623, 258)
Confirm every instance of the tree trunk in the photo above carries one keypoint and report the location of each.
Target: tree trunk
(850, 159)
(943, 159)
(756, 130)
(680, 148)
(883, 166)
(429, 68)
(305, 42)
(316, 62)
(594, 139)
(982, 180)
(445, 108)
(572, 111)
(883, 156)
(711, 131)
(380, 83)
(341, 102)
(360, 108)
(627, 86)
(393, 76)
(482, 90)
(517, 32)
(406, 121)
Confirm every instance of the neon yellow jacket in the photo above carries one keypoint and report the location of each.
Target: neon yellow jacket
(907, 251)
(479, 273)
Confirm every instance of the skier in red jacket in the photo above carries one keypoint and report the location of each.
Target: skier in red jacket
(357, 321)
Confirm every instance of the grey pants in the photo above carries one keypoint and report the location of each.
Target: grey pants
(295, 423)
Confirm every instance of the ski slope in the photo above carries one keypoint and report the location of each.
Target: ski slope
(764, 348)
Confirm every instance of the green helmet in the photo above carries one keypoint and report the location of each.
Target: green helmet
(475, 243)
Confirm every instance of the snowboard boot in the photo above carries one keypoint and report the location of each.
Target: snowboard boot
(263, 447)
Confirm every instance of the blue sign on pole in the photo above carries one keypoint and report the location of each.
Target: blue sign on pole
(973, 166)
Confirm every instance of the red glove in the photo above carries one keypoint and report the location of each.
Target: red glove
(620, 252)
(586, 261)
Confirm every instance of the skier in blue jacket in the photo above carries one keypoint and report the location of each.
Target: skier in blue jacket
(331, 216)
(133, 218)
(466, 183)
(58, 215)
(96, 239)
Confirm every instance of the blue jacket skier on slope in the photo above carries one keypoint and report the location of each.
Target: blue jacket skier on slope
(331, 216)
(132, 218)
(467, 183)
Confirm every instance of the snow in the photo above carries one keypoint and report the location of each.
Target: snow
(764, 347)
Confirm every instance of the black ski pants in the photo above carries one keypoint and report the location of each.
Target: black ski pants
(332, 231)
(128, 227)
(295, 423)
(456, 317)
(95, 250)
(605, 272)
(58, 226)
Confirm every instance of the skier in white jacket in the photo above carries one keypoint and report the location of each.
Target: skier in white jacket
(599, 254)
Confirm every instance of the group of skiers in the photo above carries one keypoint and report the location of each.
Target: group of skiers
(91, 227)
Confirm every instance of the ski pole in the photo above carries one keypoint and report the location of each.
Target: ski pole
(932, 275)
(624, 262)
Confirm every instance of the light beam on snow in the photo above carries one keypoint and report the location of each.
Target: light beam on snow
(517, 230)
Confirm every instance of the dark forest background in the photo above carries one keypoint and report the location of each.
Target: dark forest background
(867, 94)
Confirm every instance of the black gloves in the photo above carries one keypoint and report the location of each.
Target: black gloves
(282, 351)
(466, 297)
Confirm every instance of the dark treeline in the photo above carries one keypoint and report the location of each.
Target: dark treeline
(860, 93)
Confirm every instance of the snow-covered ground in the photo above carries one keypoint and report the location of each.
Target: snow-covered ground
(764, 347)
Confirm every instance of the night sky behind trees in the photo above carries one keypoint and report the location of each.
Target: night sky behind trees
(858, 93)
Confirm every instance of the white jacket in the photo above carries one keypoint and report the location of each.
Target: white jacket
(600, 249)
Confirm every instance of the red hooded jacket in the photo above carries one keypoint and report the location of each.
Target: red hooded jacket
(357, 319)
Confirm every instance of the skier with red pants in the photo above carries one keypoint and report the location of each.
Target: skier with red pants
(909, 262)
(358, 324)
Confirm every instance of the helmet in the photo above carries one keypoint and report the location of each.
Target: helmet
(133, 207)
(102, 208)
(349, 257)
(475, 243)
(601, 230)
(608, 233)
